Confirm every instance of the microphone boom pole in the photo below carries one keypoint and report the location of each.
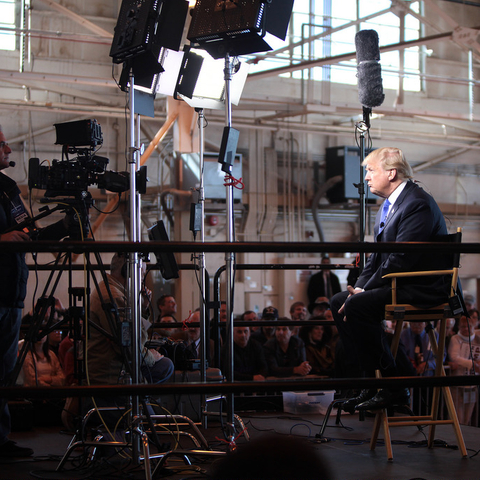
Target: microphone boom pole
(370, 94)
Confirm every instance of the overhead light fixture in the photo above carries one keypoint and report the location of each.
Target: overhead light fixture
(237, 27)
(198, 79)
(144, 29)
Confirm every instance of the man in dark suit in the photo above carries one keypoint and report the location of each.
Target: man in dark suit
(407, 214)
(323, 284)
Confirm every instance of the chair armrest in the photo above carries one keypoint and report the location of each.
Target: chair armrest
(418, 274)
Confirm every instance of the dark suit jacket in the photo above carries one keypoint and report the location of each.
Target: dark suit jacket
(316, 286)
(414, 217)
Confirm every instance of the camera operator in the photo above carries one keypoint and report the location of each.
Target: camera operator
(13, 286)
(105, 357)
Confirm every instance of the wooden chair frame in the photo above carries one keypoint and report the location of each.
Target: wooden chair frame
(406, 312)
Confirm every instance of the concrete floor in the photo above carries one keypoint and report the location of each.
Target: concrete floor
(345, 447)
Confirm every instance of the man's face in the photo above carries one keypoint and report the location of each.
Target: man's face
(168, 319)
(325, 261)
(250, 317)
(169, 306)
(466, 327)
(378, 179)
(223, 312)
(417, 327)
(328, 315)
(241, 336)
(283, 335)
(319, 309)
(299, 312)
(5, 151)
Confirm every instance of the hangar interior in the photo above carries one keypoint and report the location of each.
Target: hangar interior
(296, 116)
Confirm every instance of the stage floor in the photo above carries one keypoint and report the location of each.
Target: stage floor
(345, 447)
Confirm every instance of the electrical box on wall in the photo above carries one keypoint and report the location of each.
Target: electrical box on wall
(345, 161)
(214, 177)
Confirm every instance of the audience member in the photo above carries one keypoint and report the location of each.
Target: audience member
(418, 348)
(165, 331)
(323, 284)
(223, 311)
(464, 354)
(54, 339)
(248, 357)
(265, 333)
(193, 339)
(319, 307)
(41, 368)
(219, 334)
(450, 330)
(473, 313)
(285, 353)
(250, 316)
(470, 302)
(166, 305)
(298, 312)
(319, 353)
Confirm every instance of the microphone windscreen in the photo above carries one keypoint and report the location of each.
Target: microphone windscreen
(11, 164)
(370, 88)
(369, 72)
(366, 45)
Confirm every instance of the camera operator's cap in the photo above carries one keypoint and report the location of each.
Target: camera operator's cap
(319, 301)
(270, 313)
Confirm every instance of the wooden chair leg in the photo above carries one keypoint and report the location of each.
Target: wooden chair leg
(376, 429)
(447, 395)
(386, 433)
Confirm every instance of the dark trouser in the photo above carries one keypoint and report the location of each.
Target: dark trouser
(362, 333)
(10, 321)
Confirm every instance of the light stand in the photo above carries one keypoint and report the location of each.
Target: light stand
(224, 29)
(201, 261)
(134, 264)
(229, 262)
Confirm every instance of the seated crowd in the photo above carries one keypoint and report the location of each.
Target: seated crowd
(282, 350)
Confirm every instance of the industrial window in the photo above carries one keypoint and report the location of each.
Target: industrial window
(7, 22)
(327, 28)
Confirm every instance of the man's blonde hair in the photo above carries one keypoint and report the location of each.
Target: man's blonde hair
(391, 158)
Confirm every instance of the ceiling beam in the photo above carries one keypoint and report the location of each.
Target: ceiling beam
(77, 18)
(346, 56)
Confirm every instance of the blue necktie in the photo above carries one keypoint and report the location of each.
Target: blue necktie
(386, 206)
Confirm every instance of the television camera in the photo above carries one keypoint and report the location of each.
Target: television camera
(72, 177)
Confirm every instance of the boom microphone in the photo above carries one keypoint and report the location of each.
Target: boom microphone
(11, 164)
(369, 71)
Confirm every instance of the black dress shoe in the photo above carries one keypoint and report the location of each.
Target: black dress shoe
(11, 449)
(386, 398)
(350, 404)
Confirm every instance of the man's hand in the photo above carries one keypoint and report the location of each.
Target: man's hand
(157, 356)
(146, 301)
(351, 291)
(258, 378)
(14, 236)
(421, 368)
(303, 369)
(477, 366)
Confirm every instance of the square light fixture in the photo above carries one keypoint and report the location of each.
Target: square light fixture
(237, 27)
